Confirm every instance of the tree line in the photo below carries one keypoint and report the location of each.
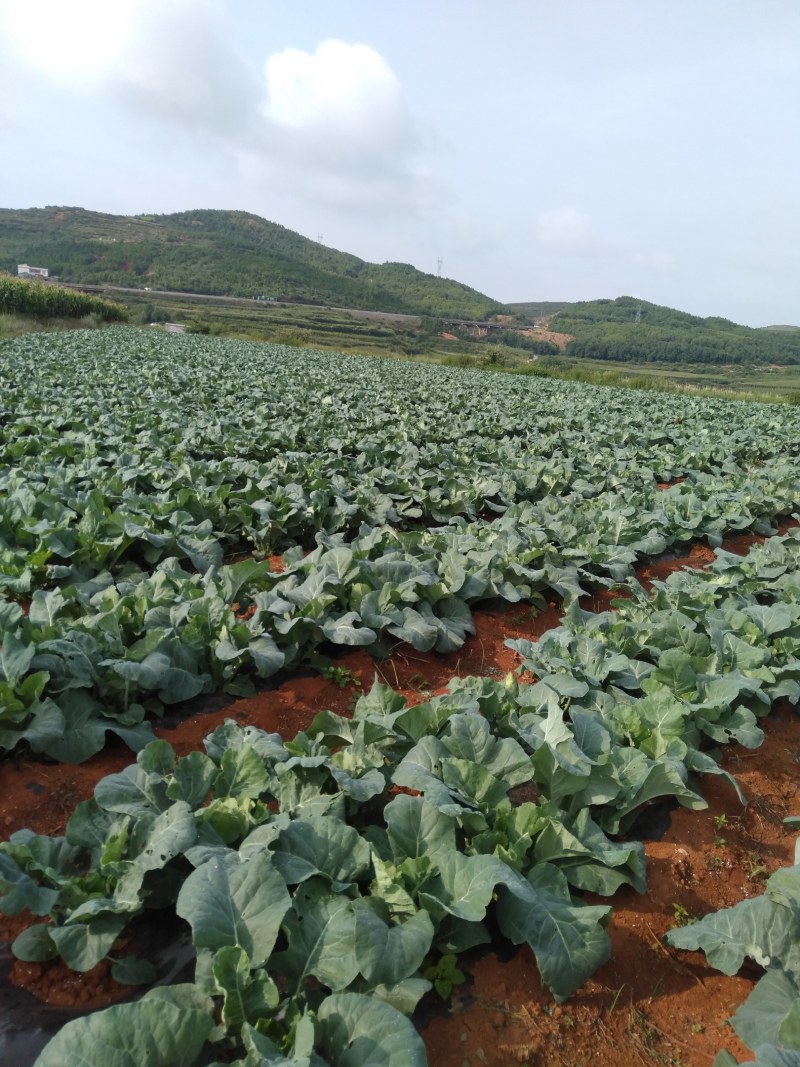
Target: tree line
(635, 331)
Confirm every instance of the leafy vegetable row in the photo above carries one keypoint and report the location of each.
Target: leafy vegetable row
(120, 445)
(102, 652)
(710, 652)
(133, 461)
(303, 882)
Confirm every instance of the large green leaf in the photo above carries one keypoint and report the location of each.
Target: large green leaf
(569, 940)
(19, 890)
(771, 1014)
(417, 828)
(588, 858)
(321, 845)
(247, 997)
(228, 901)
(83, 944)
(321, 934)
(73, 729)
(464, 885)
(160, 840)
(469, 738)
(193, 776)
(645, 780)
(388, 953)
(420, 769)
(151, 1031)
(242, 774)
(756, 928)
(358, 1031)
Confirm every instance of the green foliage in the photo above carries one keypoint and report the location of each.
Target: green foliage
(516, 339)
(342, 676)
(292, 337)
(633, 330)
(765, 929)
(42, 300)
(536, 309)
(683, 917)
(445, 974)
(226, 252)
(135, 464)
(120, 545)
(494, 355)
(625, 310)
(298, 867)
(164, 1029)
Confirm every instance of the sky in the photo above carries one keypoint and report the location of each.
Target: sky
(530, 149)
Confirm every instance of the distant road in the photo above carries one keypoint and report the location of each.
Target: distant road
(359, 313)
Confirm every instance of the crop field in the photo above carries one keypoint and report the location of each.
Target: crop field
(352, 681)
(315, 326)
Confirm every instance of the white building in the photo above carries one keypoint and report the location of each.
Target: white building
(24, 271)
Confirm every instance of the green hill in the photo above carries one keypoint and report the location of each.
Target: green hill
(233, 253)
(634, 330)
(538, 309)
(230, 253)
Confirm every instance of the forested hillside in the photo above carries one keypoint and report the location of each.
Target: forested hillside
(637, 331)
(536, 309)
(233, 253)
(229, 253)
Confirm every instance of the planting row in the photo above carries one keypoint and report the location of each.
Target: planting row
(135, 466)
(319, 875)
(120, 446)
(105, 651)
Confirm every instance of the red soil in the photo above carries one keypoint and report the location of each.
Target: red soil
(541, 334)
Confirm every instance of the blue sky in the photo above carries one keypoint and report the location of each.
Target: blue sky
(592, 148)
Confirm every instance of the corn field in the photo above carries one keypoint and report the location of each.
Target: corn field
(42, 300)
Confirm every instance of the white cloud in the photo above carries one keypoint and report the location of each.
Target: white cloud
(169, 62)
(180, 69)
(338, 122)
(73, 43)
(347, 89)
(329, 126)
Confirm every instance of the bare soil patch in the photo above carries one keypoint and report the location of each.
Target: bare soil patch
(541, 334)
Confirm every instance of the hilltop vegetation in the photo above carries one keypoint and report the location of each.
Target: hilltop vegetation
(229, 253)
(537, 309)
(634, 330)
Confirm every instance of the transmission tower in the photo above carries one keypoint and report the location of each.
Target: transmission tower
(439, 263)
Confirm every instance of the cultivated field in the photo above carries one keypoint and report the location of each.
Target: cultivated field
(457, 642)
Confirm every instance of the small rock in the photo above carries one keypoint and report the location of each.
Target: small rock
(682, 870)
